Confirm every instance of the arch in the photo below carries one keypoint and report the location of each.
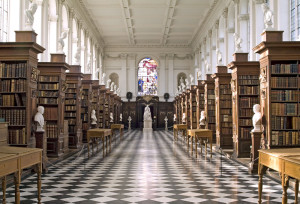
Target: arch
(179, 76)
(147, 77)
(114, 77)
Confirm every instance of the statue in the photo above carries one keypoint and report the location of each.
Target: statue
(166, 123)
(112, 86)
(118, 91)
(256, 119)
(181, 80)
(238, 41)
(174, 118)
(61, 43)
(107, 83)
(192, 79)
(147, 113)
(121, 117)
(219, 57)
(103, 79)
(111, 116)
(268, 15)
(207, 65)
(176, 93)
(77, 56)
(129, 123)
(30, 15)
(179, 89)
(39, 118)
(93, 117)
(89, 62)
(187, 84)
(115, 89)
(202, 118)
(182, 87)
(183, 118)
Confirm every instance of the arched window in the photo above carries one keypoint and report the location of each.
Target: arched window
(147, 77)
(179, 76)
(114, 78)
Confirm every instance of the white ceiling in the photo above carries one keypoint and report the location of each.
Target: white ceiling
(148, 22)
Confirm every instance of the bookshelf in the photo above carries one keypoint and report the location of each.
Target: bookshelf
(187, 107)
(101, 107)
(193, 107)
(245, 93)
(96, 99)
(18, 82)
(175, 109)
(200, 100)
(73, 106)
(279, 90)
(223, 108)
(86, 101)
(106, 108)
(183, 107)
(209, 104)
(51, 94)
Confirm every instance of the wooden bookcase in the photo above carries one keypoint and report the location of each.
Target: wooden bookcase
(18, 82)
(245, 93)
(51, 92)
(279, 90)
(102, 107)
(111, 106)
(200, 100)
(73, 106)
(86, 104)
(187, 106)
(106, 108)
(209, 104)
(176, 109)
(183, 107)
(96, 99)
(223, 101)
(193, 107)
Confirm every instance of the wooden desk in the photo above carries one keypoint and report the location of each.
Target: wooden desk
(103, 134)
(177, 127)
(17, 159)
(119, 127)
(286, 162)
(199, 134)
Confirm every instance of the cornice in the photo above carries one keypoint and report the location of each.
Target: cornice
(147, 46)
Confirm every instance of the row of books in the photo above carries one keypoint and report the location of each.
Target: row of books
(48, 93)
(284, 82)
(249, 90)
(246, 112)
(285, 69)
(85, 126)
(13, 70)
(211, 97)
(226, 131)
(70, 114)
(70, 108)
(289, 109)
(72, 86)
(14, 116)
(245, 122)
(225, 104)
(84, 103)
(226, 111)
(13, 85)
(48, 79)
(52, 130)
(211, 119)
(44, 101)
(248, 102)
(249, 82)
(17, 136)
(84, 117)
(49, 86)
(225, 97)
(72, 129)
(50, 113)
(245, 133)
(70, 102)
(211, 107)
(225, 89)
(72, 121)
(285, 95)
(226, 118)
(226, 125)
(285, 138)
(12, 100)
(71, 95)
(279, 122)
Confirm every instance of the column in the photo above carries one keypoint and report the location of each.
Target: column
(170, 62)
(53, 34)
(70, 38)
(162, 83)
(283, 19)
(243, 24)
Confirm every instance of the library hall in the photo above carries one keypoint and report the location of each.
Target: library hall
(149, 101)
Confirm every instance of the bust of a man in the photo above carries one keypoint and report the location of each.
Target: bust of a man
(202, 118)
(111, 116)
(93, 117)
(112, 86)
(121, 117)
(147, 113)
(39, 118)
(174, 118)
(183, 118)
(256, 119)
(108, 83)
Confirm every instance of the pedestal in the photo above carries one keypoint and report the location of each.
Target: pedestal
(256, 138)
(147, 126)
(41, 142)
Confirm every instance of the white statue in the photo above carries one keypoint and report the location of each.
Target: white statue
(268, 15)
(192, 79)
(89, 62)
(115, 89)
(183, 118)
(30, 15)
(238, 41)
(179, 89)
(118, 91)
(166, 123)
(39, 118)
(207, 65)
(187, 83)
(202, 118)
(181, 80)
(61, 43)
(147, 113)
(176, 93)
(182, 87)
(108, 83)
(111, 116)
(103, 79)
(112, 86)
(93, 117)
(77, 56)
(256, 119)
(121, 117)
(129, 123)
(219, 57)
(174, 118)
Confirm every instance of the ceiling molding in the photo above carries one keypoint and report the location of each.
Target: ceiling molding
(167, 21)
(127, 21)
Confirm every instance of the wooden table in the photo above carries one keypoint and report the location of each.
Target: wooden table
(199, 134)
(286, 162)
(177, 127)
(119, 127)
(14, 160)
(103, 134)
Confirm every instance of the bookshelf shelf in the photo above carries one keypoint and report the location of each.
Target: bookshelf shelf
(200, 100)
(193, 107)
(86, 101)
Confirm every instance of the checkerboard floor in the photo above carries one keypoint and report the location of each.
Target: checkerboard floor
(148, 169)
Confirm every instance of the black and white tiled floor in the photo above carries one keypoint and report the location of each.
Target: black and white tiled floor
(148, 168)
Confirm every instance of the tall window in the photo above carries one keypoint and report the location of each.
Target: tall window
(147, 77)
(3, 20)
(295, 19)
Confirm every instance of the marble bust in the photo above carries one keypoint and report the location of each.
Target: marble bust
(93, 117)
(192, 79)
(121, 117)
(174, 118)
(112, 86)
(268, 15)
(108, 83)
(147, 113)
(103, 79)
(39, 118)
(202, 118)
(30, 15)
(256, 119)
(111, 116)
(183, 118)
(187, 83)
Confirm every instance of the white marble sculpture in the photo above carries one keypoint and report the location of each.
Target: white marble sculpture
(147, 120)
(183, 118)
(183, 87)
(219, 57)
(118, 91)
(108, 83)
(77, 56)
(147, 113)
(121, 117)
(61, 43)
(103, 79)
(181, 80)
(93, 117)
(174, 118)
(256, 119)
(192, 79)
(268, 15)
(111, 117)
(237, 41)
(115, 89)
(129, 123)
(187, 84)
(202, 118)
(30, 15)
(112, 86)
(179, 89)
(166, 123)
(39, 118)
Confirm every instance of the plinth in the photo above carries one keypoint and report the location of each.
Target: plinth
(147, 126)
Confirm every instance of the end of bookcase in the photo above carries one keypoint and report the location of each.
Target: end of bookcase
(25, 36)
(272, 36)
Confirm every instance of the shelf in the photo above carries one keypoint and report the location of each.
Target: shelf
(12, 106)
(12, 78)
(284, 102)
(294, 130)
(284, 74)
(241, 95)
(47, 82)
(16, 125)
(21, 92)
(284, 88)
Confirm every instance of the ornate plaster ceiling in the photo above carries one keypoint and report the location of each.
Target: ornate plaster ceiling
(148, 22)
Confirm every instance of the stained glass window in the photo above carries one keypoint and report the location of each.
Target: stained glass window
(147, 77)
